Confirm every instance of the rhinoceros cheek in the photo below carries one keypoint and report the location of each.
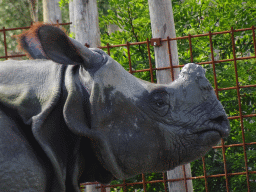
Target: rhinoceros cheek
(133, 141)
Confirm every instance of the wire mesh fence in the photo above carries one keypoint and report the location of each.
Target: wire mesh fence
(230, 60)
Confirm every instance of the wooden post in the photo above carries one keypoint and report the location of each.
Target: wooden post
(86, 22)
(51, 11)
(177, 173)
(162, 24)
(92, 188)
(34, 10)
(71, 17)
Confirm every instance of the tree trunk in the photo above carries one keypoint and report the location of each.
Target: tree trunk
(176, 173)
(162, 24)
(91, 188)
(71, 18)
(51, 11)
(86, 23)
(34, 10)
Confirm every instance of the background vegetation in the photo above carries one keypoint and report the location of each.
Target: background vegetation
(191, 17)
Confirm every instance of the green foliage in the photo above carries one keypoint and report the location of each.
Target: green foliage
(139, 187)
(64, 7)
(63, 4)
(197, 17)
(132, 18)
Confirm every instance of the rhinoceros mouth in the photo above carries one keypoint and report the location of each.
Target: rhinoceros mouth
(219, 125)
(222, 130)
(209, 131)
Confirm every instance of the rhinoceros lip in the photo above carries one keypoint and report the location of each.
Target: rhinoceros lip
(208, 130)
(223, 132)
(223, 128)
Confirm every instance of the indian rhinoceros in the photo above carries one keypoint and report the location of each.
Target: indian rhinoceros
(74, 115)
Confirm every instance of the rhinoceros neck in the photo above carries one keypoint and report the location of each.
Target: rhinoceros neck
(31, 87)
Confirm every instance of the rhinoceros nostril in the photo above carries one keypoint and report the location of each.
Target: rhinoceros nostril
(218, 119)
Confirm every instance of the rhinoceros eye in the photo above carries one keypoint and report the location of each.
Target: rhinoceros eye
(159, 102)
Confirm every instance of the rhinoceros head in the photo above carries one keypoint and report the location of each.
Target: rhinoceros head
(136, 126)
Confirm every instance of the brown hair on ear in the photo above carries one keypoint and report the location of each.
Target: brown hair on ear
(29, 38)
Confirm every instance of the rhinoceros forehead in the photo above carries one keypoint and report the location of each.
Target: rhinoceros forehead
(113, 75)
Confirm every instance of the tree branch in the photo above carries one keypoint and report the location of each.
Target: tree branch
(133, 31)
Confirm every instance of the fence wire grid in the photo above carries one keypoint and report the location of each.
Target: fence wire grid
(212, 61)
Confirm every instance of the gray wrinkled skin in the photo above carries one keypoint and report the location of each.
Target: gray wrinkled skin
(93, 121)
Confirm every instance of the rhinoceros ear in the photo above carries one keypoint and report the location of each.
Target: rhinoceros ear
(29, 43)
(49, 42)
